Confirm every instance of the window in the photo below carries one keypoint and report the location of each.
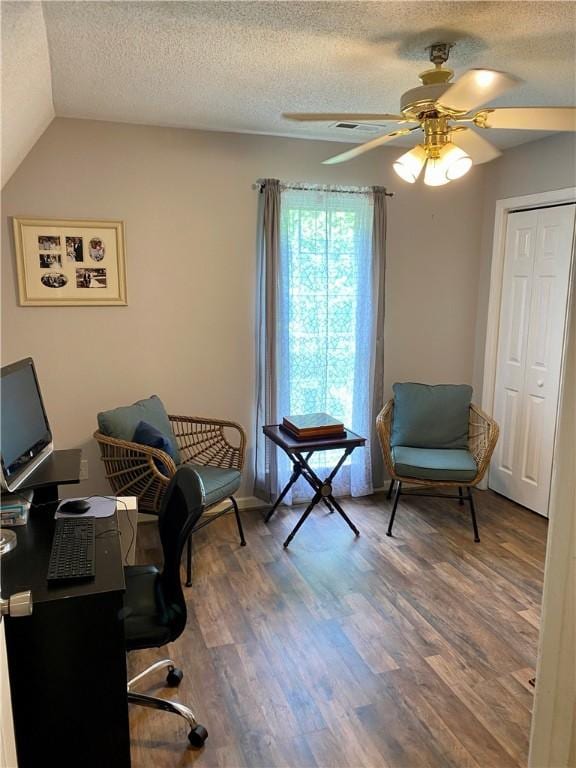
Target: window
(326, 310)
(320, 316)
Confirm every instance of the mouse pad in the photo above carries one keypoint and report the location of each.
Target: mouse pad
(99, 507)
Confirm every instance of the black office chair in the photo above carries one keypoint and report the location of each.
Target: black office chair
(154, 604)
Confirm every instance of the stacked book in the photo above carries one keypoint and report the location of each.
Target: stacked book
(313, 426)
(15, 508)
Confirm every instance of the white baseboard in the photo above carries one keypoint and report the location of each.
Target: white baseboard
(251, 502)
(244, 502)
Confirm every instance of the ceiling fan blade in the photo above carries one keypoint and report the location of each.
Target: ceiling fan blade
(351, 117)
(530, 118)
(352, 153)
(476, 87)
(480, 150)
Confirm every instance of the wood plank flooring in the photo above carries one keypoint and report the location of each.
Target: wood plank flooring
(405, 652)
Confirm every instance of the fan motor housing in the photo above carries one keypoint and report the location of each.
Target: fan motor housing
(422, 99)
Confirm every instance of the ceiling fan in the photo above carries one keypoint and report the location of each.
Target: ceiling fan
(442, 110)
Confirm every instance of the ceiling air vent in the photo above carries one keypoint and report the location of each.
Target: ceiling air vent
(359, 127)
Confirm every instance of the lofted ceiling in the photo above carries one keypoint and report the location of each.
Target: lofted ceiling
(236, 66)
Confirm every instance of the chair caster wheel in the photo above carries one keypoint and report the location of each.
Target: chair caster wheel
(174, 677)
(198, 736)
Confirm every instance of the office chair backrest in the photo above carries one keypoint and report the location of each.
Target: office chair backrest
(181, 507)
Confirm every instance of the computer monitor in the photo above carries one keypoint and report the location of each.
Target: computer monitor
(26, 439)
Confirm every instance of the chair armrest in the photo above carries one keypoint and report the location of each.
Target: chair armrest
(203, 441)
(482, 437)
(131, 470)
(384, 429)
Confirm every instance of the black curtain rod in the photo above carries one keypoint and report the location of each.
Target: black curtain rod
(260, 186)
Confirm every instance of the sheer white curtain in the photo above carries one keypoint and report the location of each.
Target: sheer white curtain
(327, 324)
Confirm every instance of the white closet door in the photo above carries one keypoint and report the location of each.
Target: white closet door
(532, 321)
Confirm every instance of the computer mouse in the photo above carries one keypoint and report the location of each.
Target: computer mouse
(75, 507)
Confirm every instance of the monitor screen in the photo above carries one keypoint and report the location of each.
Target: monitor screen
(26, 439)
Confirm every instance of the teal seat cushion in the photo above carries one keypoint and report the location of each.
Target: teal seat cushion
(431, 416)
(218, 483)
(122, 422)
(434, 463)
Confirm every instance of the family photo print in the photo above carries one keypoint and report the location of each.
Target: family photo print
(70, 262)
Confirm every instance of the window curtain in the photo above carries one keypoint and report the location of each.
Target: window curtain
(321, 262)
(268, 270)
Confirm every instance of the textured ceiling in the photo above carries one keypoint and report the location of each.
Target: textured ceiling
(236, 66)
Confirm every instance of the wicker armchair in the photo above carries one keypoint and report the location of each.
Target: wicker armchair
(482, 437)
(131, 468)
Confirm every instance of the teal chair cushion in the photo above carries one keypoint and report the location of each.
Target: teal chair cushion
(122, 422)
(434, 464)
(217, 483)
(431, 416)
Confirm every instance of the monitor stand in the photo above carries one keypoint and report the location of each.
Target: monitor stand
(60, 468)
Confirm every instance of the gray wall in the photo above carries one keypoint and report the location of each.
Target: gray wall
(188, 332)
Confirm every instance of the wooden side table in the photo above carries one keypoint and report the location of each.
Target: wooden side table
(300, 452)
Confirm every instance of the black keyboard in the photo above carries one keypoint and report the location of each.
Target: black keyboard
(72, 555)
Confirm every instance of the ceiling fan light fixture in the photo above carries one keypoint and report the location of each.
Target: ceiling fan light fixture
(409, 165)
(455, 161)
(435, 175)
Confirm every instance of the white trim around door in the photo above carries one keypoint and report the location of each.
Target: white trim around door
(503, 208)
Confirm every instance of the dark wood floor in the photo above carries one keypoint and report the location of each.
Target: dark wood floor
(406, 652)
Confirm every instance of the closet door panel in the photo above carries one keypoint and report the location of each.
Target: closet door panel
(512, 346)
(532, 321)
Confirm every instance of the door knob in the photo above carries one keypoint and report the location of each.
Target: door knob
(540, 383)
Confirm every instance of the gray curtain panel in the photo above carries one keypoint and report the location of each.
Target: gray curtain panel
(268, 270)
(378, 286)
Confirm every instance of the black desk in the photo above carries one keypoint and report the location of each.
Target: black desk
(295, 450)
(67, 661)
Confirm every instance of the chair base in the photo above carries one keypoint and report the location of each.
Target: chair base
(198, 734)
(461, 498)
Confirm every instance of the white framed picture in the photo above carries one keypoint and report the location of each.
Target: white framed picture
(69, 262)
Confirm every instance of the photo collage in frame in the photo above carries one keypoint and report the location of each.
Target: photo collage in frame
(70, 262)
